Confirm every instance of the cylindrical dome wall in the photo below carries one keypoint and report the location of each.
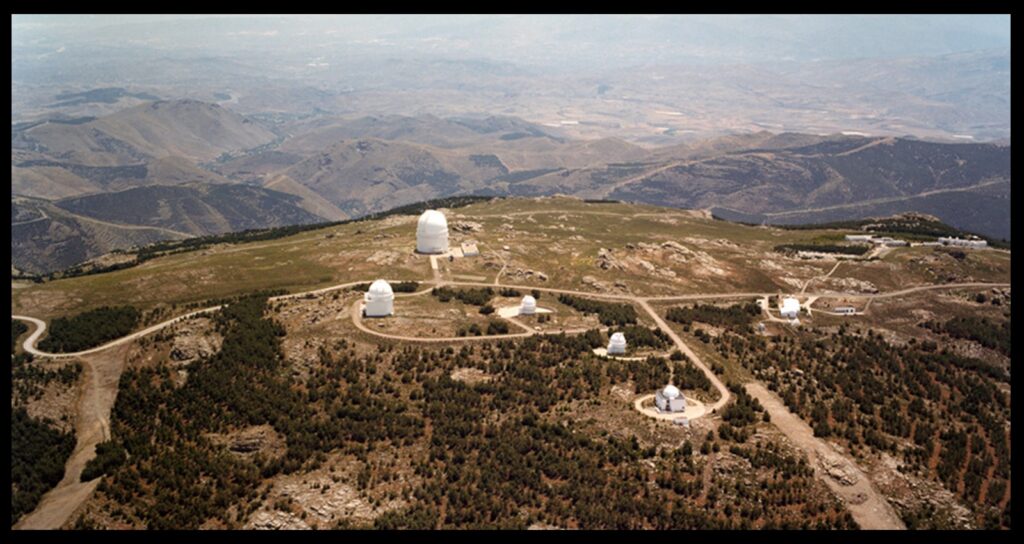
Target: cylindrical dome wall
(432, 233)
(529, 306)
(379, 299)
(617, 344)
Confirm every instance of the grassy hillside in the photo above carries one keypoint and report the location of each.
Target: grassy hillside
(648, 250)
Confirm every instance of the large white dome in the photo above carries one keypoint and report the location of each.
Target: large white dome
(670, 392)
(432, 232)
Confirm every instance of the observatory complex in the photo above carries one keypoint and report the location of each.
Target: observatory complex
(432, 233)
(379, 299)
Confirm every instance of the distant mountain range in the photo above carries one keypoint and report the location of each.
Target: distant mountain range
(173, 169)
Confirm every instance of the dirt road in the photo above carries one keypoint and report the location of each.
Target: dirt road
(100, 375)
(869, 508)
(723, 391)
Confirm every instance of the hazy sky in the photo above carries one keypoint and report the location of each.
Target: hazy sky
(541, 40)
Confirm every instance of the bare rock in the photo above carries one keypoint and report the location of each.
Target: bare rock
(839, 470)
(467, 226)
(194, 341)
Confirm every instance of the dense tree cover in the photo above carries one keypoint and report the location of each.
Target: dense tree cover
(640, 336)
(736, 317)
(495, 326)
(89, 329)
(688, 376)
(510, 292)
(474, 296)
(527, 467)
(647, 375)
(28, 380)
(822, 248)
(739, 415)
(17, 329)
(38, 454)
(398, 287)
(982, 330)
(109, 455)
(498, 453)
(944, 415)
(163, 428)
(608, 313)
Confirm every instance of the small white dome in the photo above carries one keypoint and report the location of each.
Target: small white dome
(529, 302)
(618, 338)
(670, 392)
(380, 287)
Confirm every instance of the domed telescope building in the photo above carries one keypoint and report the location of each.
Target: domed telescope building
(432, 233)
(617, 344)
(790, 307)
(529, 306)
(379, 299)
(670, 399)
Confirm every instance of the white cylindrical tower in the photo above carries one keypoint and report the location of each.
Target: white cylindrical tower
(529, 306)
(617, 344)
(432, 233)
(379, 299)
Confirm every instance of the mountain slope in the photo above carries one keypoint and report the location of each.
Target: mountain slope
(51, 236)
(188, 128)
(829, 178)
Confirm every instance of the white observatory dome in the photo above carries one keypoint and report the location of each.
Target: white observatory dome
(379, 299)
(670, 392)
(617, 343)
(432, 233)
(529, 306)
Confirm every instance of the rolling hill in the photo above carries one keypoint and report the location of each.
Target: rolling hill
(186, 128)
(48, 236)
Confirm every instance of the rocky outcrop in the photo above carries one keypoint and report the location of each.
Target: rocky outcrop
(195, 340)
(839, 470)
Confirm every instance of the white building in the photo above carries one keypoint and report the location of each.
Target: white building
(846, 310)
(790, 307)
(960, 242)
(432, 233)
(617, 344)
(858, 237)
(529, 306)
(887, 241)
(670, 399)
(379, 299)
